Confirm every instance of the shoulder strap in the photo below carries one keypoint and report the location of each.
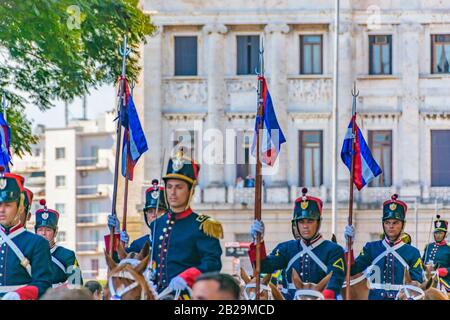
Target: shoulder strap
(24, 262)
(59, 264)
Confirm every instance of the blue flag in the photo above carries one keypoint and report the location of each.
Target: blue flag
(5, 141)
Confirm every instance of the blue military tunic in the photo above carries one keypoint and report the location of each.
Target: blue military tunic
(312, 262)
(13, 275)
(439, 253)
(139, 243)
(386, 262)
(182, 247)
(65, 267)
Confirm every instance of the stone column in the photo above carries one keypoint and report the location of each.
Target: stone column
(410, 105)
(153, 105)
(346, 74)
(278, 88)
(214, 135)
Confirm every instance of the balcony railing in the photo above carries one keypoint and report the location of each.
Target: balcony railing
(91, 246)
(93, 191)
(92, 162)
(95, 218)
(30, 165)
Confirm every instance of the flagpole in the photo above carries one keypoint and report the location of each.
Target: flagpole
(124, 52)
(355, 93)
(127, 177)
(5, 105)
(335, 121)
(258, 182)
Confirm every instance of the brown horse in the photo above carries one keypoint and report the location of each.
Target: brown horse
(125, 279)
(359, 288)
(414, 290)
(268, 291)
(307, 290)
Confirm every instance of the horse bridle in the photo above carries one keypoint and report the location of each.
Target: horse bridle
(262, 288)
(407, 288)
(309, 293)
(126, 271)
(167, 291)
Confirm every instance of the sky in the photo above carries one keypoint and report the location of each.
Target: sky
(98, 102)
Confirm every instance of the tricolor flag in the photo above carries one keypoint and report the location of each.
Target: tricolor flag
(272, 136)
(365, 166)
(5, 140)
(134, 142)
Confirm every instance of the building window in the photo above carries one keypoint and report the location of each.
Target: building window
(440, 53)
(380, 54)
(185, 139)
(311, 152)
(245, 168)
(61, 236)
(94, 266)
(186, 56)
(440, 153)
(60, 207)
(94, 207)
(247, 54)
(60, 153)
(311, 56)
(380, 142)
(60, 181)
(37, 152)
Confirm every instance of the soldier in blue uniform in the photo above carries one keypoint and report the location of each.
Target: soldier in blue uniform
(25, 272)
(154, 198)
(385, 260)
(437, 253)
(309, 254)
(186, 243)
(65, 268)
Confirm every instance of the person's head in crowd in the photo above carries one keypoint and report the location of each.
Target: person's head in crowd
(95, 288)
(63, 293)
(215, 286)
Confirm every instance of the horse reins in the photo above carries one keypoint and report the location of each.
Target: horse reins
(406, 288)
(261, 290)
(308, 292)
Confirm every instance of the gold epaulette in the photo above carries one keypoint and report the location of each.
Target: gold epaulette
(210, 226)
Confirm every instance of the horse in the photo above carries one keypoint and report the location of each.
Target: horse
(268, 291)
(432, 283)
(414, 290)
(307, 290)
(125, 279)
(359, 287)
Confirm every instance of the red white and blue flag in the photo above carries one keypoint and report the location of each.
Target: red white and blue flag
(5, 140)
(272, 136)
(134, 142)
(365, 167)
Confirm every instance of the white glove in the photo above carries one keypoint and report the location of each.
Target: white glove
(124, 237)
(349, 232)
(11, 296)
(177, 283)
(257, 226)
(113, 222)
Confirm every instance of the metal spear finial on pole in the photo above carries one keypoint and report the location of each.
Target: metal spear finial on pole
(124, 52)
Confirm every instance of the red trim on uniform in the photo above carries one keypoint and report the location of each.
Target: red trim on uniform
(252, 252)
(48, 210)
(319, 236)
(443, 272)
(194, 167)
(442, 243)
(19, 179)
(15, 228)
(115, 242)
(190, 275)
(329, 294)
(309, 198)
(395, 243)
(405, 207)
(181, 215)
(28, 293)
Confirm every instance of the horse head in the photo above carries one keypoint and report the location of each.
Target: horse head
(431, 285)
(125, 279)
(411, 289)
(268, 291)
(307, 290)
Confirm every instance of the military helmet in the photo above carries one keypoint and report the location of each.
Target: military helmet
(46, 217)
(307, 207)
(183, 168)
(394, 209)
(440, 225)
(152, 195)
(11, 186)
(27, 200)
